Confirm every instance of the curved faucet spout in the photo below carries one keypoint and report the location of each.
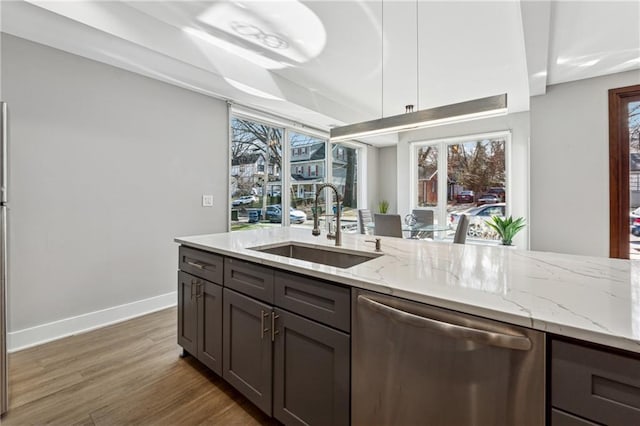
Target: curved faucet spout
(316, 228)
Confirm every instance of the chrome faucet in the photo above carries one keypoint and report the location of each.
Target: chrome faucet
(316, 228)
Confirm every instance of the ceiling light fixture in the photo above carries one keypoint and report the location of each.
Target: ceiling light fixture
(490, 106)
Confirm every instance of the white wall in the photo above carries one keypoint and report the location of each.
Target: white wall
(517, 123)
(372, 184)
(570, 165)
(387, 178)
(106, 168)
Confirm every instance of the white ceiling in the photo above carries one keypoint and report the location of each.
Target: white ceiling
(321, 62)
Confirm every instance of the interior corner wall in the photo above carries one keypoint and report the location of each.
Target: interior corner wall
(106, 167)
(517, 124)
(387, 178)
(370, 176)
(570, 165)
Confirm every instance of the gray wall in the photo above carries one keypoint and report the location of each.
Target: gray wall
(570, 165)
(387, 179)
(106, 168)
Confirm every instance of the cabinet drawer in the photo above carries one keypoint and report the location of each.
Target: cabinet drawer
(319, 300)
(597, 385)
(560, 418)
(249, 278)
(201, 264)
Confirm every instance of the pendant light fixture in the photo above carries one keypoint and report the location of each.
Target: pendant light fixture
(463, 111)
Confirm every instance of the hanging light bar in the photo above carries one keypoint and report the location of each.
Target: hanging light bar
(491, 106)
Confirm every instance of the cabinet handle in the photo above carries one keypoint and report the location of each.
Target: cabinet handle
(263, 330)
(274, 317)
(198, 289)
(197, 265)
(193, 284)
(519, 342)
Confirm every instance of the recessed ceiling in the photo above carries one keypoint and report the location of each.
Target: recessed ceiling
(327, 63)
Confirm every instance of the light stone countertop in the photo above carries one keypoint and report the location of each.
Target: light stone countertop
(589, 298)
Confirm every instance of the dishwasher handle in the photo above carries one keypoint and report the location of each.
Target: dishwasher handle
(491, 338)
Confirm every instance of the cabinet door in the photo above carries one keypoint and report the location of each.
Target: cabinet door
(187, 313)
(311, 372)
(247, 348)
(210, 326)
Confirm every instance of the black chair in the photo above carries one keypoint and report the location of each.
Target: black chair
(461, 230)
(388, 225)
(364, 217)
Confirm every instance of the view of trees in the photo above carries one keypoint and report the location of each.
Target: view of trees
(477, 165)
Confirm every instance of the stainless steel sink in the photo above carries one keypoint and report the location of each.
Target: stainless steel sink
(339, 258)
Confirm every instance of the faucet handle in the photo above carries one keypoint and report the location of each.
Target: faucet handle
(378, 242)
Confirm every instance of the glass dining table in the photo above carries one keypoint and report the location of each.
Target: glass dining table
(418, 230)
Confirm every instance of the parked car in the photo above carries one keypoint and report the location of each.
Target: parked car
(244, 200)
(465, 197)
(635, 214)
(499, 191)
(274, 214)
(477, 216)
(635, 226)
(488, 199)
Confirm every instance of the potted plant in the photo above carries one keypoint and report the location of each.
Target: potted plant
(383, 206)
(507, 227)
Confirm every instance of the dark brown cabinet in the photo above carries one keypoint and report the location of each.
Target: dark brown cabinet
(280, 339)
(200, 306)
(247, 347)
(187, 313)
(311, 383)
(593, 386)
(209, 301)
(200, 319)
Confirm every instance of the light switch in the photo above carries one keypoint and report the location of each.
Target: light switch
(207, 201)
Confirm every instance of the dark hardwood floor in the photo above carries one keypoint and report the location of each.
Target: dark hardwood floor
(128, 373)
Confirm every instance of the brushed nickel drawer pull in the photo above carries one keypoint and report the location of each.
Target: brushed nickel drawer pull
(197, 265)
(263, 330)
(274, 317)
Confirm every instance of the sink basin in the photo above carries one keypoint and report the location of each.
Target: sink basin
(339, 258)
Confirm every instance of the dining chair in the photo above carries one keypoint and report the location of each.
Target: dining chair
(461, 230)
(388, 225)
(423, 217)
(364, 216)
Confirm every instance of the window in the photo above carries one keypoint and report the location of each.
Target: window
(344, 170)
(259, 189)
(257, 149)
(459, 175)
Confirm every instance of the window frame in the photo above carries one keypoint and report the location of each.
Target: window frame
(287, 126)
(442, 144)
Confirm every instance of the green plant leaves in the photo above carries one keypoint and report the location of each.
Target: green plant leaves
(507, 227)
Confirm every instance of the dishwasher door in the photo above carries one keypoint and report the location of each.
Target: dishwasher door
(414, 364)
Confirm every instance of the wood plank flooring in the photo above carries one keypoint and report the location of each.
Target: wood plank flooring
(128, 373)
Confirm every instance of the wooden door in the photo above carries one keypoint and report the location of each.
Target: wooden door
(187, 313)
(247, 348)
(210, 326)
(311, 372)
(620, 136)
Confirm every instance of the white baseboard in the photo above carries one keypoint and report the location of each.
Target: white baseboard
(23, 339)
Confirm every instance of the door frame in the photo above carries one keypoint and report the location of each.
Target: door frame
(619, 169)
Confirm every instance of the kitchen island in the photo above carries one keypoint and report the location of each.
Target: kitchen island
(588, 308)
(588, 298)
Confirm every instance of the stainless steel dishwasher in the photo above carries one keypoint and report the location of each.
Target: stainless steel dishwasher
(415, 364)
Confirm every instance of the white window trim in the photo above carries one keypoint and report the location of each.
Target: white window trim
(440, 212)
(362, 166)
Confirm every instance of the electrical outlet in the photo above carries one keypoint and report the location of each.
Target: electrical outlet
(207, 201)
